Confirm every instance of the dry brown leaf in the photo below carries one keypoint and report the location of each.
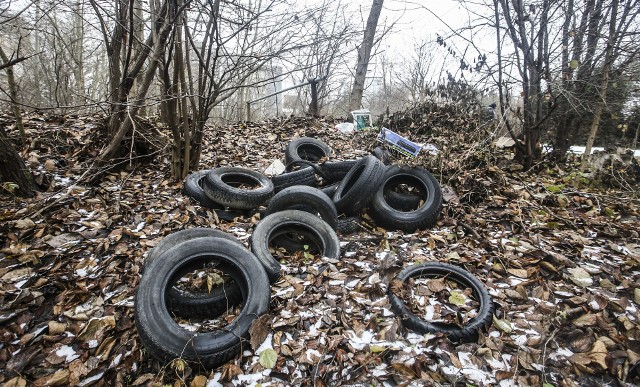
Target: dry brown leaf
(521, 273)
(586, 320)
(229, 371)
(142, 379)
(259, 331)
(198, 381)
(15, 382)
(56, 328)
(599, 354)
(436, 285)
(404, 370)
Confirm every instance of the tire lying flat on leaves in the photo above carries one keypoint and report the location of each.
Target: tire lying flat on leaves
(303, 176)
(394, 218)
(458, 275)
(306, 148)
(194, 188)
(225, 186)
(306, 199)
(357, 188)
(163, 337)
(281, 223)
(201, 304)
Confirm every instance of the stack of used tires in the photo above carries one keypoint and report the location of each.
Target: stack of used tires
(303, 209)
(397, 197)
(241, 292)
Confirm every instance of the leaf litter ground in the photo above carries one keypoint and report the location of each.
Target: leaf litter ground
(559, 257)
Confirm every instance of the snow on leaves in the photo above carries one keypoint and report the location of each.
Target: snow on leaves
(559, 258)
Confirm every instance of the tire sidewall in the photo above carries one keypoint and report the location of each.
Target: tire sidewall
(461, 277)
(264, 232)
(156, 325)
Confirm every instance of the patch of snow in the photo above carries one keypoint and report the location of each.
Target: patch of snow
(92, 343)
(266, 344)
(20, 283)
(91, 379)
(251, 379)
(561, 353)
(68, 353)
(214, 382)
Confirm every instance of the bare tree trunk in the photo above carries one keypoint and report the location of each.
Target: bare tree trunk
(604, 83)
(364, 54)
(78, 50)
(13, 93)
(13, 168)
(127, 123)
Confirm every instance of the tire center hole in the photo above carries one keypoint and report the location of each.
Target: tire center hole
(438, 300)
(404, 196)
(294, 244)
(240, 182)
(200, 283)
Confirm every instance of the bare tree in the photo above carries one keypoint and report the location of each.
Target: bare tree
(364, 55)
(125, 63)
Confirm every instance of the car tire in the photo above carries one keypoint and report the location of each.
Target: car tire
(335, 171)
(357, 188)
(197, 304)
(303, 176)
(422, 217)
(306, 199)
(283, 222)
(163, 337)
(469, 332)
(306, 148)
(224, 186)
(194, 188)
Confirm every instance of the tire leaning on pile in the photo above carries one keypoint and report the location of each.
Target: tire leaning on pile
(224, 186)
(357, 188)
(197, 304)
(421, 217)
(163, 337)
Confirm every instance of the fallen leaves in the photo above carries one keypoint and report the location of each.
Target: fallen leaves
(560, 260)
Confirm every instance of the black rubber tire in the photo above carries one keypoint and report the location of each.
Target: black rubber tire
(357, 188)
(403, 202)
(424, 216)
(304, 198)
(304, 176)
(335, 171)
(281, 222)
(349, 225)
(164, 338)
(306, 148)
(459, 275)
(382, 155)
(220, 186)
(330, 189)
(194, 188)
(188, 304)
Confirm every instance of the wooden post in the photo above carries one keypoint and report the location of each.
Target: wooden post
(248, 111)
(313, 107)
